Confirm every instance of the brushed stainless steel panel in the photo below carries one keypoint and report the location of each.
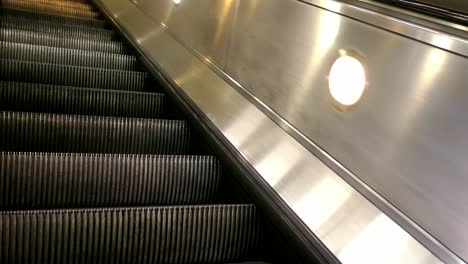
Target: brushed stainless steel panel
(205, 25)
(410, 24)
(353, 228)
(396, 140)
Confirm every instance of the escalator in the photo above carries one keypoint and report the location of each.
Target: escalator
(96, 163)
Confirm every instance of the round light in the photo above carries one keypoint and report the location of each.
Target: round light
(347, 80)
(176, 1)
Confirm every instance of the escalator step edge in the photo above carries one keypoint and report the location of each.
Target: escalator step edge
(67, 180)
(173, 234)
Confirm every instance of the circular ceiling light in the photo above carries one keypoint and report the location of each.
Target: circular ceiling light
(347, 80)
(176, 2)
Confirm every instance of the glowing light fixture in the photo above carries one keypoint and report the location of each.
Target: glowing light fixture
(176, 2)
(347, 80)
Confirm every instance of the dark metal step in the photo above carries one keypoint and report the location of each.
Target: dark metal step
(78, 22)
(73, 57)
(64, 4)
(57, 40)
(21, 131)
(40, 180)
(33, 72)
(43, 98)
(68, 31)
(50, 9)
(176, 234)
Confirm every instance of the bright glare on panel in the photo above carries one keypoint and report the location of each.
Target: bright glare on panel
(176, 1)
(347, 80)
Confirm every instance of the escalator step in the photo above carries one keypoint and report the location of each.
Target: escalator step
(50, 9)
(43, 98)
(65, 4)
(23, 71)
(78, 22)
(56, 40)
(21, 131)
(39, 180)
(55, 28)
(176, 234)
(80, 1)
(54, 55)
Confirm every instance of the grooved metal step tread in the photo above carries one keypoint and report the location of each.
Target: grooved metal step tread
(50, 9)
(44, 180)
(57, 40)
(44, 98)
(69, 31)
(64, 4)
(79, 22)
(80, 1)
(21, 131)
(73, 57)
(56, 74)
(176, 234)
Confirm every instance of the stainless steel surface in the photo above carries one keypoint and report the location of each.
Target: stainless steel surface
(451, 5)
(408, 14)
(265, 40)
(410, 24)
(395, 141)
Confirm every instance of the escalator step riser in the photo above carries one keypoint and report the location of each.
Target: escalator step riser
(58, 29)
(180, 234)
(64, 4)
(21, 71)
(78, 22)
(93, 134)
(43, 98)
(72, 57)
(56, 40)
(37, 180)
(48, 9)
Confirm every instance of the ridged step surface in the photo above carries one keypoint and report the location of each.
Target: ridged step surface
(64, 3)
(88, 173)
(93, 134)
(178, 234)
(79, 22)
(44, 98)
(22, 71)
(57, 40)
(42, 180)
(69, 31)
(73, 57)
(50, 9)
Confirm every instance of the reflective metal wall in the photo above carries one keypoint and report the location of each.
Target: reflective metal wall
(405, 138)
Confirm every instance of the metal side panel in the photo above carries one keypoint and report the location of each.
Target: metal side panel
(348, 224)
(404, 139)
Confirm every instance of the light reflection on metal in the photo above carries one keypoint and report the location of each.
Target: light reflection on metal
(321, 38)
(347, 80)
(322, 202)
(276, 167)
(221, 23)
(395, 239)
(176, 2)
(433, 64)
(420, 29)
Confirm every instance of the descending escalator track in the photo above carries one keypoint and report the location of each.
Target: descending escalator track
(92, 170)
